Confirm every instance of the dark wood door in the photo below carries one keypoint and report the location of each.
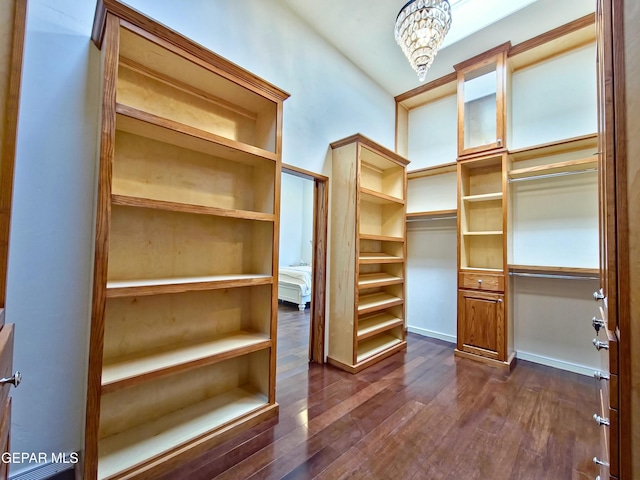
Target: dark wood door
(480, 318)
(12, 28)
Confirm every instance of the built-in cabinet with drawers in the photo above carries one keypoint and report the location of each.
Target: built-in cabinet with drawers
(182, 350)
(483, 324)
(527, 246)
(367, 257)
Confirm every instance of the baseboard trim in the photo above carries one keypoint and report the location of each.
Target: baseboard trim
(527, 356)
(430, 333)
(559, 364)
(48, 471)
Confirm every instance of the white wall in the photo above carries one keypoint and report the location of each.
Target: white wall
(50, 260)
(296, 220)
(433, 193)
(50, 265)
(555, 222)
(432, 278)
(562, 88)
(552, 323)
(433, 133)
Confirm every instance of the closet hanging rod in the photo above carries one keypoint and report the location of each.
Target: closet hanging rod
(551, 175)
(553, 275)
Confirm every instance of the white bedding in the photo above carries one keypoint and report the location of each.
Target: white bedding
(299, 275)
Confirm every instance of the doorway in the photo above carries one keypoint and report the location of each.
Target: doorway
(303, 245)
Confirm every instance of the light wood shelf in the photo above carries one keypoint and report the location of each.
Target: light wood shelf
(128, 201)
(382, 238)
(489, 232)
(150, 440)
(376, 345)
(374, 280)
(156, 286)
(480, 269)
(377, 301)
(555, 270)
(581, 142)
(146, 365)
(378, 257)
(434, 170)
(552, 168)
(485, 197)
(185, 135)
(378, 197)
(433, 215)
(376, 324)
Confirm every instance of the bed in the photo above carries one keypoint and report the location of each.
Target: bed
(294, 285)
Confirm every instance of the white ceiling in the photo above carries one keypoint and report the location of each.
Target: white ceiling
(363, 31)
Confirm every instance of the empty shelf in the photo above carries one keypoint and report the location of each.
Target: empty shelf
(139, 122)
(561, 167)
(487, 232)
(172, 358)
(153, 286)
(377, 257)
(369, 326)
(376, 345)
(139, 444)
(372, 280)
(377, 301)
(129, 201)
(432, 215)
(382, 238)
(378, 197)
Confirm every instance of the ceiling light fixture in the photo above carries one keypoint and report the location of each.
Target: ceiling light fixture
(420, 29)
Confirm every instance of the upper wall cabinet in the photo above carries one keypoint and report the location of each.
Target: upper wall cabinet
(482, 102)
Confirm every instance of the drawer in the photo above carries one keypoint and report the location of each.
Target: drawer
(482, 281)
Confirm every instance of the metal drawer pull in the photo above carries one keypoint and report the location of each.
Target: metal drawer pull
(600, 345)
(597, 461)
(15, 380)
(600, 376)
(480, 281)
(598, 295)
(597, 324)
(601, 420)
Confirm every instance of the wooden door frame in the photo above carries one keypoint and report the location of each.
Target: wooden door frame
(319, 262)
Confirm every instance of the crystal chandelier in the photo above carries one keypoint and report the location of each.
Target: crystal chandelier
(420, 29)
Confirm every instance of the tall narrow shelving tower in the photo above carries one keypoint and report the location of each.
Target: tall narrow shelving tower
(368, 252)
(182, 351)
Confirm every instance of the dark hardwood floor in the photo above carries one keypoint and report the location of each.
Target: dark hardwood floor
(417, 415)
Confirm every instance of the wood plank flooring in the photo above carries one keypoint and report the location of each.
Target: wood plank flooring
(420, 415)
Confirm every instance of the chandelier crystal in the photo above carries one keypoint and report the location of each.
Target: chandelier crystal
(420, 29)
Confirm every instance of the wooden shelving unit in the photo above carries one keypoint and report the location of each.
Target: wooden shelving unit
(182, 351)
(483, 322)
(368, 254)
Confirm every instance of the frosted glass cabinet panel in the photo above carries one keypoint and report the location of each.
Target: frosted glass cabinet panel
(482, 102)
(480, 107)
